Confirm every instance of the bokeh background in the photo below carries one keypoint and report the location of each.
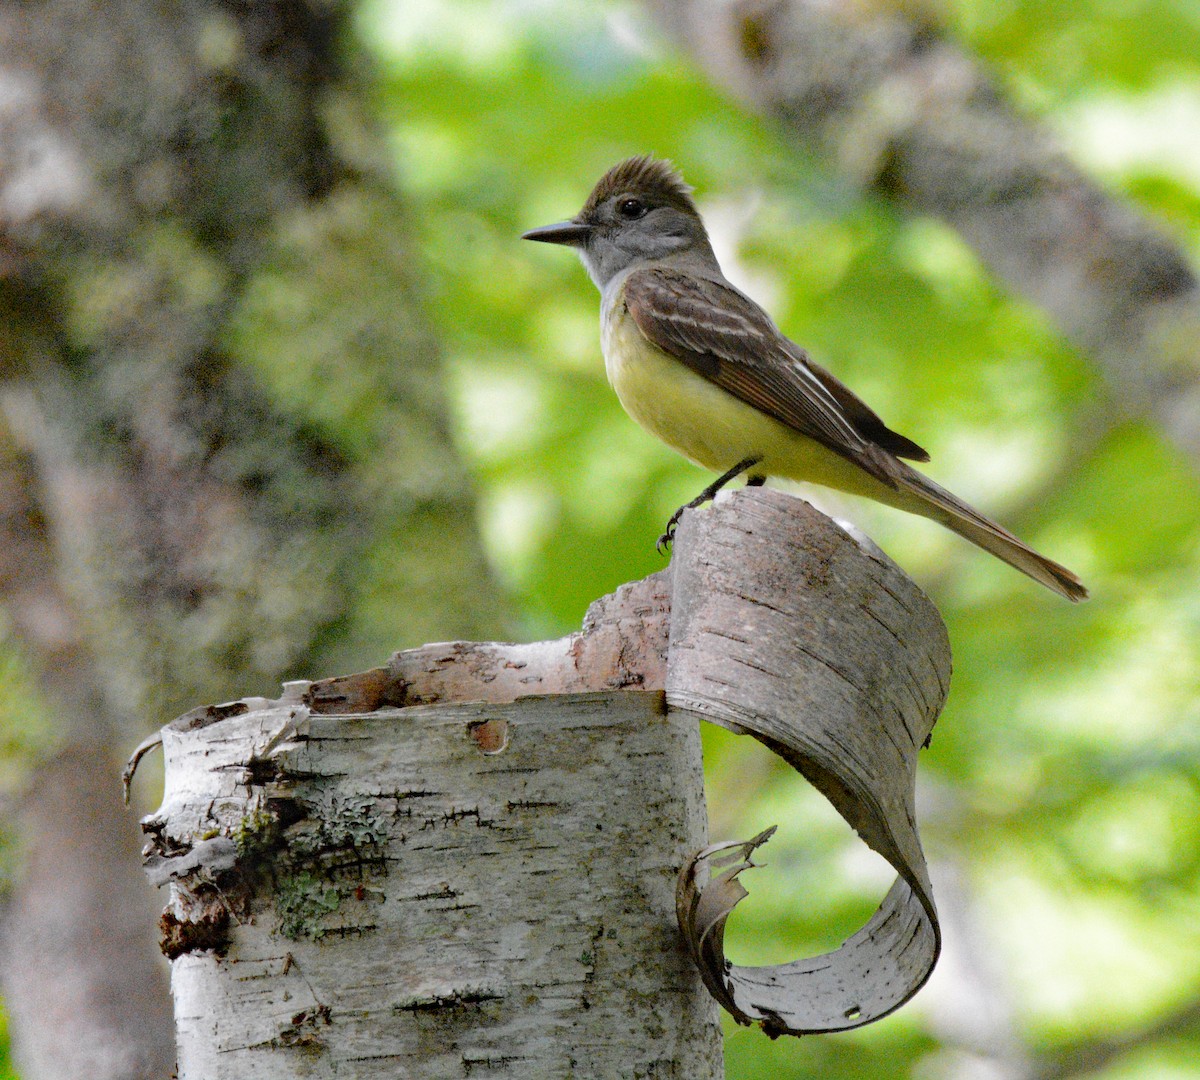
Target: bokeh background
(1060, 798)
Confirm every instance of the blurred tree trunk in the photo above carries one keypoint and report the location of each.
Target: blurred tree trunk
(900, 110)
(220, 410)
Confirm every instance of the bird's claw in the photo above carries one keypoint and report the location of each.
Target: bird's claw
(664, 542)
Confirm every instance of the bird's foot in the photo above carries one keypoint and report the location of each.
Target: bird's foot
(663, 543)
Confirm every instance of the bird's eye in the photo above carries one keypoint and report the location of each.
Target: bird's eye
(631, 209)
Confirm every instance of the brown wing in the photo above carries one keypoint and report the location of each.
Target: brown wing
(726, 337)
(863, 417)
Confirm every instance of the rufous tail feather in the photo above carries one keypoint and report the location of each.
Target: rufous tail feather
(934, 501)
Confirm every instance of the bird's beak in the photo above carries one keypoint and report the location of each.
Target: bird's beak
(571, 233)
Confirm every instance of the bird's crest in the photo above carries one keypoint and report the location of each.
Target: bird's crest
(643, 175)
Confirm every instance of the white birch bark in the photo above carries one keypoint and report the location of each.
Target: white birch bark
(479, 888)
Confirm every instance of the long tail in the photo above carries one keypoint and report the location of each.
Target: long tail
(934, 501)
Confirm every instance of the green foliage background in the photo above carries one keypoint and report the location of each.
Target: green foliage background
(1061, 795)
(1060, 799)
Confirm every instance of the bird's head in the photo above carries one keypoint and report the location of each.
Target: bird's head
(640, 211)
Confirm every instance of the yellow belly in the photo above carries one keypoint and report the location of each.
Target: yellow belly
(708, 425)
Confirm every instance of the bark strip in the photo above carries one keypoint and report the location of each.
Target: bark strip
(818, 646)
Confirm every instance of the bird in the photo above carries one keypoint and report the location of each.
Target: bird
(703, 367)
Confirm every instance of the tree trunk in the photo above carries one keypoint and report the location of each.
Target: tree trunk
(199, 253)
(456, 889)
(454, 907)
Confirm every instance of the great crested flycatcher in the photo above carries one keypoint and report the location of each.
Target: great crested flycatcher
(703, 367)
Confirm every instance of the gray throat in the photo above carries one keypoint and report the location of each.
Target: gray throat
(608, 264)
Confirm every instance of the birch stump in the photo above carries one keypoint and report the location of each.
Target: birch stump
(488, 860)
